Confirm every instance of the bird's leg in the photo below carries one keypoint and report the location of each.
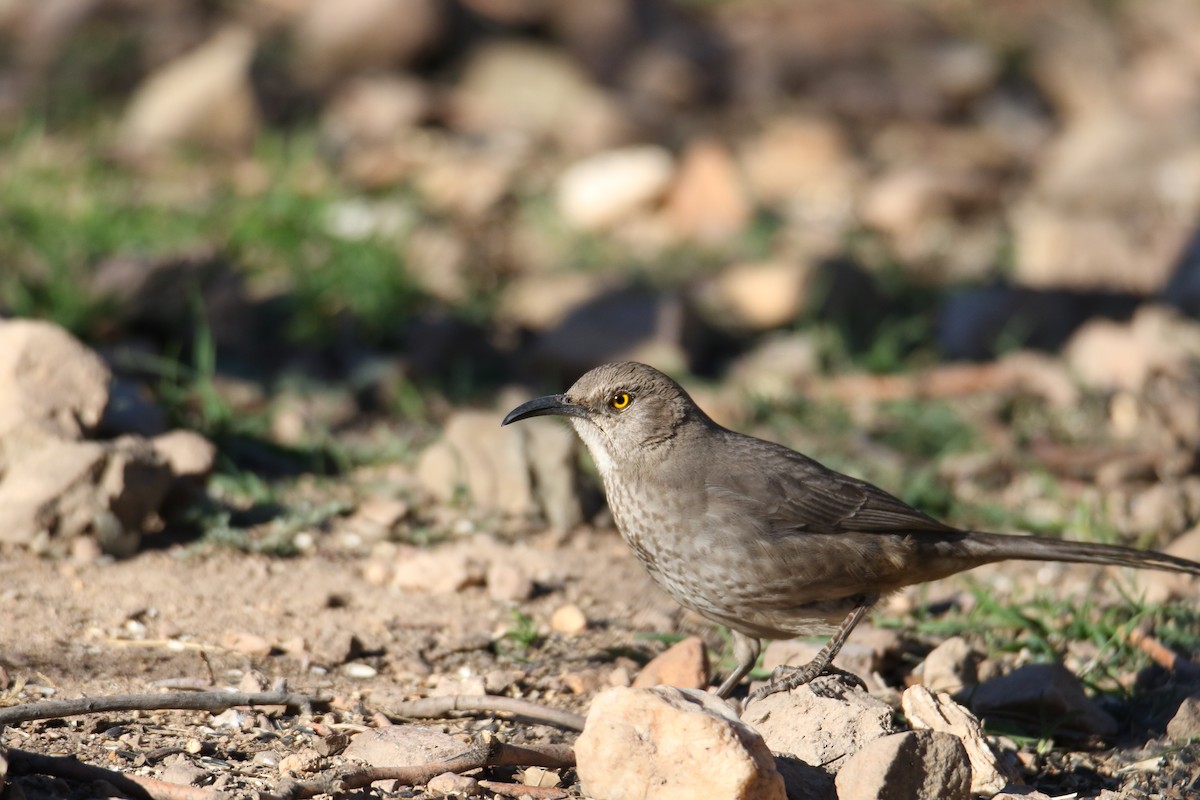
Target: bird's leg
(798, 676)
(745, 650)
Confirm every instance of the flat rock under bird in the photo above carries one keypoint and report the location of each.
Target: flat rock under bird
(760, 538)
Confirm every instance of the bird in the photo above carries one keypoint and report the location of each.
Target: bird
(763, 539)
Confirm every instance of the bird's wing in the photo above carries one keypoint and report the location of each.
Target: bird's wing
(796, 494)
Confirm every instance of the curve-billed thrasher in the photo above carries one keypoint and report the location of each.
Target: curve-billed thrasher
(761, 538)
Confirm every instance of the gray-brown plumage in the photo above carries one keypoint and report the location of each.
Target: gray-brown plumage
(761, 538)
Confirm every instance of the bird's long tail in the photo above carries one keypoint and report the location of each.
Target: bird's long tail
(991, 547)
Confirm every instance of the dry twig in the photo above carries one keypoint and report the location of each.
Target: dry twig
(493, 754)
(521, 790)
(184, 701)
(486, 705)
(1161, 654)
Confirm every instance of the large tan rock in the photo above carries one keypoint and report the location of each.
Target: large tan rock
(335, 38)
(50, 385)
(820, 727)
(672, 744)
(709, 202)
(203, 98)
(603, 189)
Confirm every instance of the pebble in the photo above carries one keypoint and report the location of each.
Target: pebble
(569, 620)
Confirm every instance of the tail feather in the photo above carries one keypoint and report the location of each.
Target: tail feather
(1000, 547)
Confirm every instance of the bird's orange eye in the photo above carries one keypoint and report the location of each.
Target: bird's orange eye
(620, 401)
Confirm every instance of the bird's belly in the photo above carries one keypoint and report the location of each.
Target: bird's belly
(715, 585)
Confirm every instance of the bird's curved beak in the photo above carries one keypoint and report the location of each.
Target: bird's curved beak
(556, 404)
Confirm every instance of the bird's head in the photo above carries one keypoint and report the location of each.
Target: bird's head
(622, 411)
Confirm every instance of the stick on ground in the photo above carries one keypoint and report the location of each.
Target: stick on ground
(183, 701)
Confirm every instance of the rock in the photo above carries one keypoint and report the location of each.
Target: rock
(758, 296)
(523, 472)
(553, 454)
(604, 189)
(250, 644)
(469, 180)
(1112, 355)
(683, 665)
(672, 744)
(373, 110)
(450, 784)
(569, 620)
(183, 772)
(906, 765)
(304, 761)
(938, 712)
(439, 571)
(50, 385)
(436, 257)
(541, 777)
(477, 455)
(950, 666)
(403, 746)
(203, 98)
(820, 729)
(63, 489)
(186, 453)
(1031, 695)
(538, 301)
(804, 165)
(1021, 793)
(334, 39)
(511, 86)
(708, 202)
(1186, 722)
(508, 583)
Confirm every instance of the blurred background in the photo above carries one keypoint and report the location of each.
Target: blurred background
(309, 230)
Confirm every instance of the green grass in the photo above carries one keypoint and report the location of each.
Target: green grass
(66, 209)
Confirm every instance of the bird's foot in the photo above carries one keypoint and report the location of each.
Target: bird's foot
(829, 682)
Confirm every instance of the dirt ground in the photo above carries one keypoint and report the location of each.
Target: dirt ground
(179, 617)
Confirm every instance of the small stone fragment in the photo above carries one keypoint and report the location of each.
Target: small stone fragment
(672, 744)
(440, 571)
(950, 666)
(907, 765)
(183, 772)
(541, 777)
(508, 583)
(927, 710)
(250, 644)
(403, 746)
(359, 671)
(186, 453)
(683, 665)
(450, 784)
(569, 620)
(301, 762)
(1186, 722)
